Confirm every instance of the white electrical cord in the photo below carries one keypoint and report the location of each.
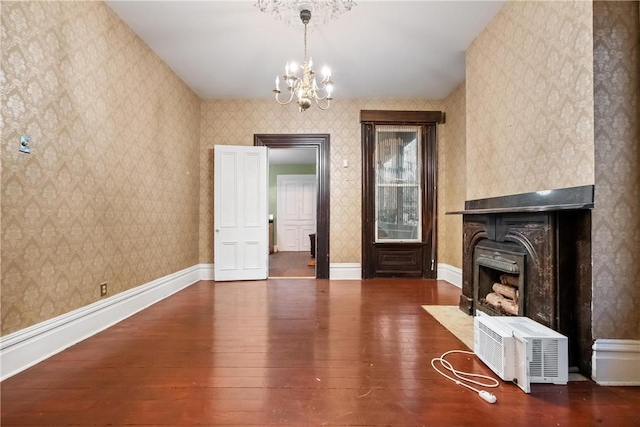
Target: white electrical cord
(466, 376)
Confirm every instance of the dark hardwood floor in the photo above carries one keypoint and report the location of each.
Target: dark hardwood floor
(291, 264)
(289, 352)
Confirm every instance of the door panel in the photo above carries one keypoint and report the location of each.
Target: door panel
(226, 195)
(251, 255)
(289, 200)
(304, 231)
(228, 256)
(287, 237)
(307, 204)
(241, 242)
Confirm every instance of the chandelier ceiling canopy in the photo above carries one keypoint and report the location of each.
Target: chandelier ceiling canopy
(288, 11)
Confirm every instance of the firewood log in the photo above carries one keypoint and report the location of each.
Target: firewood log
(506, 291)
(501, 302)
(508, 279)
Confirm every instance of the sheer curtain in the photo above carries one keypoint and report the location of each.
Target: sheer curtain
(398, 204)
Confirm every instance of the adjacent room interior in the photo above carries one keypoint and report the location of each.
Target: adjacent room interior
(292, 212)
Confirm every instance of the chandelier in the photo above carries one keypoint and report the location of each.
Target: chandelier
(305, 88)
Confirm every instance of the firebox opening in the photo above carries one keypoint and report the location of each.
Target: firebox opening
(499, 285)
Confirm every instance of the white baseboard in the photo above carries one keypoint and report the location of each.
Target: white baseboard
(450, 273)
(345, 271)
(24, 348)
(337, 271)
(207, 271)
(616, 362)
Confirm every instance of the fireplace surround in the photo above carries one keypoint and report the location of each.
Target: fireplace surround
(545, 238)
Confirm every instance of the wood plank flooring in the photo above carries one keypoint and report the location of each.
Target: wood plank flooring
(291, 264)
(293, 353)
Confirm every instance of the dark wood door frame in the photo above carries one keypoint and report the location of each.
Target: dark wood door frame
(321, 142)
(410, 259)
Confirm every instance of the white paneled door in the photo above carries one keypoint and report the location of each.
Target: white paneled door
(240, 200)
(296, 198)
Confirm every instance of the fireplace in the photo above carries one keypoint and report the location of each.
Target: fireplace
(499, 279)
(530, 255)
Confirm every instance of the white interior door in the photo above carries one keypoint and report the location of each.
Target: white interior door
(296, 196)
(240, 200)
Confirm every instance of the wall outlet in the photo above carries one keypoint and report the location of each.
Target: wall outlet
(24, 144)
(103, 289)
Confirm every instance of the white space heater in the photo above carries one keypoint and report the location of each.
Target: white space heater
(521, 350)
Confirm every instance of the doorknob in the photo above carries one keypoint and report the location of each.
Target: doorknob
(217, 230)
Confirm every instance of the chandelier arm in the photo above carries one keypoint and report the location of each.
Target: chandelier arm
(327, 106)
(293, 82)
(322, 89)
(321, 98)
(285, 102)
(324, 82)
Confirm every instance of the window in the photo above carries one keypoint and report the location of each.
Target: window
(397, 183)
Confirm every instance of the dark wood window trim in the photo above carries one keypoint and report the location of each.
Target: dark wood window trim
(401, 117)
(322, 143)
(425, 253)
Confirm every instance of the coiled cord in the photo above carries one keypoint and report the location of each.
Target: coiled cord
(465, 378)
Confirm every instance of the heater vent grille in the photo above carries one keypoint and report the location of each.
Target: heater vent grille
(550, 360)
(490, 346)
(535, 366)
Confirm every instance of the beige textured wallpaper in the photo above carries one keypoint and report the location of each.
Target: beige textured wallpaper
(110, 190)
(530, 100)
(615, 219)
(452, 178)
(234, 122)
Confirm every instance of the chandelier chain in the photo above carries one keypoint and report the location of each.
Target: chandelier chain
(305, 41)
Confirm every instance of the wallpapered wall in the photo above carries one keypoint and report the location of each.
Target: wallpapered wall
(530, 100)
(234, 122)
(530, 96)
(452, 179)
(110, 190)
(615, 220)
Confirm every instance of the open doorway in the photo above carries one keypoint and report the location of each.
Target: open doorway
(321, 144)
(292, 212)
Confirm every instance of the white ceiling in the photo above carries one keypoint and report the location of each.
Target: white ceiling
(229, 49)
